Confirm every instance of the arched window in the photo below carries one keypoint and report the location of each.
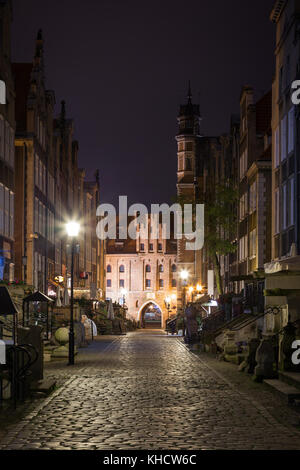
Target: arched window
(174, 268)
(161, 268)
(108, 268)
(148, 268)
(121, 268)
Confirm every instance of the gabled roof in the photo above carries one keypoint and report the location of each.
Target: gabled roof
(37, 297)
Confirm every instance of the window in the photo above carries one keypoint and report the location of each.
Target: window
(284, 213)
(121, 268)
(280, 81)
(243, 206)
(142, 247)
(108, 268)
(276, 209)
(174, 283)
(291, 201)
(252, 246)
(188, 164)
(283, 138)
(148, 283)
(243, 163)
(121, 283)
(108, 283)
(243, 248)
(277, 159)
(161, 268)
(174, 269)
(189, 146)
(161, 283)
(253, 197)
(159, 247)
(291, 130)
(151, 247)
(148, 268)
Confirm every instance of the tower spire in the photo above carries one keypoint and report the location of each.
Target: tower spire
(189, 93)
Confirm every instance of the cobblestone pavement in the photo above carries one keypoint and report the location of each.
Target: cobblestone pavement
(146, 391)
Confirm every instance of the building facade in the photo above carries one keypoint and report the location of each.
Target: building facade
(51, 190)
(283, 270)
(7, 151)
(142, 273)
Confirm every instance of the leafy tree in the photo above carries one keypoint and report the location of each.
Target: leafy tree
(220, 222)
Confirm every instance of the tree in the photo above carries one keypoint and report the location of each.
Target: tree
(220, 222)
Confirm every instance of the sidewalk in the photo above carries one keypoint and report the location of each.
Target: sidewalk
(61, 372)
(258, 392)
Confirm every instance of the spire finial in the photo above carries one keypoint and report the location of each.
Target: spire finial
(189, 93)
(63, 109)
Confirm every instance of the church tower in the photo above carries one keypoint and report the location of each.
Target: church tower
(188, 138)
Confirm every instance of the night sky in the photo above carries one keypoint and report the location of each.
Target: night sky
(123, 68)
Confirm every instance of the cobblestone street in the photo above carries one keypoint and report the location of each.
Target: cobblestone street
(145, 390)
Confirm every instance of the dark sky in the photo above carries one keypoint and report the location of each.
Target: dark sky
(123, 68)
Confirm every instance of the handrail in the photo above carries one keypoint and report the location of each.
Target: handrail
(17, 368)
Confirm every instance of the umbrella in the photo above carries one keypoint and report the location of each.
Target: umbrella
(110, 313)
(66, 297)
(58, 301)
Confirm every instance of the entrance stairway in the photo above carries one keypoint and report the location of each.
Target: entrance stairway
(287, 386)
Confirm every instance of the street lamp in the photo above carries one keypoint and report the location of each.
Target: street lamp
(123, 292)
(184, 274)
(168, 305)
(72, 229)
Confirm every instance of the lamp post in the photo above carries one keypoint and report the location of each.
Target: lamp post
(123, 292)
(72, 230)
(184, 274)
(168, 305)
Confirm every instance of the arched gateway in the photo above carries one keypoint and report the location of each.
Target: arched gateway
(150, 315)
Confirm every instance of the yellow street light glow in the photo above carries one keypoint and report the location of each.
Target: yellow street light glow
(174, 296)
(168, 300)
(199, 287)
(123, 291)
(191, 289)
(184, 274)
(72, 228)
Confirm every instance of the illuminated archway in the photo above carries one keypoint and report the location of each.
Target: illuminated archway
(150, 318)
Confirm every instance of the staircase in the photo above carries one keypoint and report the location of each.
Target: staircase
(287, 386)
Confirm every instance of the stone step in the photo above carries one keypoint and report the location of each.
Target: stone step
(288, 392)
(45, 386)
(291, 378)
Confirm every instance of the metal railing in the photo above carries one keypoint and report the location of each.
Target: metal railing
(15, 374)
